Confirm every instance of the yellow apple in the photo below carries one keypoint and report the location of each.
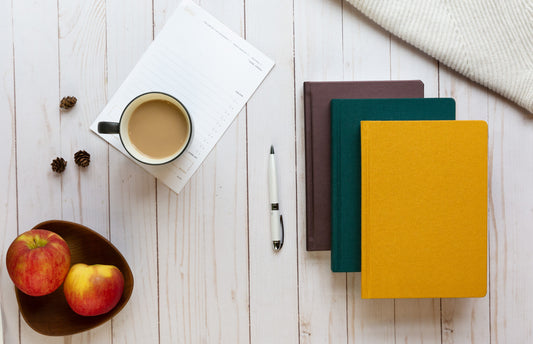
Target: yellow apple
(93, 289)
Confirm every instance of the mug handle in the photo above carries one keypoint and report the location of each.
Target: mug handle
(108, 127)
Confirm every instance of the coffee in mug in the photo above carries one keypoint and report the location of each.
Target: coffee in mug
(155, 128)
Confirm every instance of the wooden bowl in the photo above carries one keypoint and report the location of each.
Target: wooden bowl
(50, 314)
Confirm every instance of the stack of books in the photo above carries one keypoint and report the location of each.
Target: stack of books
(396, 188)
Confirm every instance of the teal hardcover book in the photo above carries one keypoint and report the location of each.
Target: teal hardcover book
(346, 115)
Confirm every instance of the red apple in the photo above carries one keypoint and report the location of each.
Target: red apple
(38, 261)
(93, 289)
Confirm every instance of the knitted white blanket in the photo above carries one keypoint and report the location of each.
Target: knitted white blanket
(488, 41)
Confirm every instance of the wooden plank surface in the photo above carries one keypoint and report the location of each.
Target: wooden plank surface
(132, 196)
(318, 56)
(273, 275)
(8, 177)
(510, 204)
(203, 264)
(203, 245)
(37, 121)
(82, 61)
(132, 192)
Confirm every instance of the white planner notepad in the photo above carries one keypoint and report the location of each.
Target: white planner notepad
(205, 65)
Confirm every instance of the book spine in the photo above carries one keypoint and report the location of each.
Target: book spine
(365, 242)
(309, 209)
(335, 200)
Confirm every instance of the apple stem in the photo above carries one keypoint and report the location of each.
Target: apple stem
(36, 242)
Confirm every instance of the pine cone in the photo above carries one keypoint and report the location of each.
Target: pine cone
(82, 158)
(67, 102)
(58, 165)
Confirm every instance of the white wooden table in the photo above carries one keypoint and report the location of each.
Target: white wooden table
(203, 264)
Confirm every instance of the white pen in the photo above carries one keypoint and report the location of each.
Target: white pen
(276, 220)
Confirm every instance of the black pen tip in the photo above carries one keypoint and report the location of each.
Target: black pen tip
(271, 149)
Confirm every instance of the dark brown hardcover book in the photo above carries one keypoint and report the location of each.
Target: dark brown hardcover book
(317, 98)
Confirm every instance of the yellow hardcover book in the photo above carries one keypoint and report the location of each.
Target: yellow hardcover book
(423, 209)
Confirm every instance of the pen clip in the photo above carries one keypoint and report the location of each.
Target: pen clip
(278, 244)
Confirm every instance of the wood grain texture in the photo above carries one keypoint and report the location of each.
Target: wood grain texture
(416, 320)
(82, 58)
(132, 191)
(366, 57)
(38, 121)
(318, 56)
(82, 62)
(273, 275)
(162, 11)
(366, 47)
(203, 244)
(8, 178)
(133, 231)
(511, 149)
(465, 320)
(203, 273)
